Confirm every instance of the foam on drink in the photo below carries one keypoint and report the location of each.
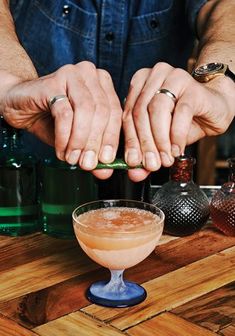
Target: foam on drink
(118, 237)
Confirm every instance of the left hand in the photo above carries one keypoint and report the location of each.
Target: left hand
(157, 129)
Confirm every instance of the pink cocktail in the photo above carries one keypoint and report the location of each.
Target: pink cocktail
(117, 234)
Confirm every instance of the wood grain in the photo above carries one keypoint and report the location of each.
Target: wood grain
(43, 282)
(39, 306)
(76, 324)
(43, 272)
(214, 310)
(21, 250)
(168, 324)
(228, 331)
(173, 289)
(10, 328)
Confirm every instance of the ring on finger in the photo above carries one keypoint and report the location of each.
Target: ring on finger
(55, 99)
(168, 93)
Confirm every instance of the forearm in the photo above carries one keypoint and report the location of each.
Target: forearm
(216, 30)
(15, 64)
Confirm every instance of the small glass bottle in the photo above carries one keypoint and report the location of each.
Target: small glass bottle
(223, 204)
(64, 187)
(19, 203)
(186, 207)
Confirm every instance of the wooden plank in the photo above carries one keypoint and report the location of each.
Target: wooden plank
(10, 328)
(6, 240)
(51, 303)
(76, 324)
(39, 306)
(168, 324)
(228, 331)
(15, 251)
(215, 310)
(43, 272)
(173, 289)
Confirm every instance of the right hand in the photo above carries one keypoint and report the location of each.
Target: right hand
(84, 128)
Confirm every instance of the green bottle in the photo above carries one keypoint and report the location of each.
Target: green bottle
(19, 203)
(64, 187)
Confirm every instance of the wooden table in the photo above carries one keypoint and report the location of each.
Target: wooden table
(190, 284)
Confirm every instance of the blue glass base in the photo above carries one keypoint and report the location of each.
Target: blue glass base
(131, 295)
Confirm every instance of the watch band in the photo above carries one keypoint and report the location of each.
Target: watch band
(230, 74)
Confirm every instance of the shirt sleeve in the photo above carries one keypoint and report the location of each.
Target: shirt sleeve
(192, 9)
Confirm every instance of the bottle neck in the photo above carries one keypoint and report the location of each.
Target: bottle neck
(231, 163)
(182, 169)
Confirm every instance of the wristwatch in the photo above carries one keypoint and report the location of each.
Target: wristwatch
(206, 72)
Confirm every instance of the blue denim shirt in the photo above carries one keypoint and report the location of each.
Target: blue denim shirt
(120, 36)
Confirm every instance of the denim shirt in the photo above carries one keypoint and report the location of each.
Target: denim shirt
(120, 36)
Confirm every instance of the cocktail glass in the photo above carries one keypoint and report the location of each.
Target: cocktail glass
(117, 234)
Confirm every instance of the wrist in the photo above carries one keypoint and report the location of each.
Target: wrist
(207, 72)
(7, 82)
(224, 87)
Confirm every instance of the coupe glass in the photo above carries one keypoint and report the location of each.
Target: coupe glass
(117, 234)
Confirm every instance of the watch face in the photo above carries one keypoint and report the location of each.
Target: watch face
(209, 68)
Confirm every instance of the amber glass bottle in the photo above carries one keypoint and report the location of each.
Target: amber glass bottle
(223, 204)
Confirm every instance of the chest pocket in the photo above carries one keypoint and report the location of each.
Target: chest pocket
(160, 35)
(55, 33)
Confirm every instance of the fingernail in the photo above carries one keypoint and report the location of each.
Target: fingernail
(132, 156)
(89, 160)
(107, 154)
(166, 159)
(150, 161)
(175, 150)
(60, 155)
(73, 157)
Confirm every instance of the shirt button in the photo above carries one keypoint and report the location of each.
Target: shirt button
(154, 23)
(109, 36)
(66, 10)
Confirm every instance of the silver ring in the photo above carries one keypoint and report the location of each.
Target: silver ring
(55, 99)
(168, 93)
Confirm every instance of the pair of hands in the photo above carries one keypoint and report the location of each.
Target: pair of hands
(85, 127)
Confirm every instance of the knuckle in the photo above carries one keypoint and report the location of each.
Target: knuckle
(63, 113)
(161, 66)
(87, 65)
(184, 107)
(92, 144)
(127, 116)
(105, 74)
(137, 75)
(153, 106)
(179, 72)
(65, 69)
(131, 142)
(146, 143)
(138, 111)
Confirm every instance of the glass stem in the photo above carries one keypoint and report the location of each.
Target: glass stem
(116, 283)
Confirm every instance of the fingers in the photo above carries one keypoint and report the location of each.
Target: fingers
(154, 122)
(140, 121)
(90, 151)
(171, 118)
(87, 124)
(133, 155)
(71, 131)
(110, 139)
